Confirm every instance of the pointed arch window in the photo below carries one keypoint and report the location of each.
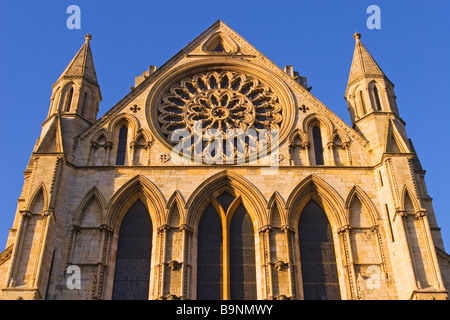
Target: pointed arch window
(69, 100)
(242, 256)
(122, 146)
(363, 105)
(377, 98)
(318, 260)
(297, 157)
(209, 257)
(226, 267)
(318, 148)
(132, 271)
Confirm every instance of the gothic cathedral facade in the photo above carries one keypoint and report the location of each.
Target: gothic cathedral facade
(150, 201)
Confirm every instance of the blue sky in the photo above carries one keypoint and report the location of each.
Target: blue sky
(316, 37)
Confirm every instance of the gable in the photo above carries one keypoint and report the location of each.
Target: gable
(51, 139)
(395, 142)
(216, 60)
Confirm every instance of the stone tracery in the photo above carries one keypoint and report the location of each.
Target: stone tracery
(225, 103)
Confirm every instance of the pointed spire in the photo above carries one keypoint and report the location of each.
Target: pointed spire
(82, 65)
(363, 65)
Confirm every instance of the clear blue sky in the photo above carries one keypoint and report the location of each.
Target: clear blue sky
(316, 37)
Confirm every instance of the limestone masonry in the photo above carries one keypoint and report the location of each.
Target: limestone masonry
(150, 201)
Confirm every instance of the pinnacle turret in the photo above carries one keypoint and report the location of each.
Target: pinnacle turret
(363, 65)
(82, 65)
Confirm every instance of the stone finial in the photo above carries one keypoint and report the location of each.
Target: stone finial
(357, 36)
(88, 37)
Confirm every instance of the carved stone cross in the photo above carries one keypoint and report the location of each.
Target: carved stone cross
(304, 108)
(135, 108)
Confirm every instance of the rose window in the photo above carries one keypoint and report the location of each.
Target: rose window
(223, 104)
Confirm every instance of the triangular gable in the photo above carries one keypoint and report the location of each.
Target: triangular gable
(51, 137)
(394, 141)
(209, 44)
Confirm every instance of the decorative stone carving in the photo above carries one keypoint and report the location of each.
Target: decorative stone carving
(287, 228)
(174, 265)
(344, 228)
(280, 265)
(225, 103)
(135, 108)
(165, 157)
(185, 227)
(229, 100)
(265, 228)
(26, 213)
(420, 214)
(163, 228)
(303, 109)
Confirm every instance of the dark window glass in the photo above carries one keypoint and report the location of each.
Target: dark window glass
(225, 200)
(318, 149)
(362, 102)
(69, 100)
(377, 98)
(242, 256)
(132, 272)
(219, 48)
(83, 106)
(122, 148)
(318, 261)
(209, 256)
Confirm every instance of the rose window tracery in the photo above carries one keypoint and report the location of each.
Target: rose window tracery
(224, 104)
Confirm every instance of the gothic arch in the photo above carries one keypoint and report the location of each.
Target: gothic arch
(138, 188)
(56, 97)
(315, 188)
(85, 95)
(64, 104)
(34, 197)
(69, 85)
(341, 134)
(132, 265)
(97, 136)
(94, 193)
(252, 198)
(148, 137)
(325, 125)
(228, 202)
(132, 121)
(276, 201)
(376, 98)
(415, 202)
(222, 41)
(361, 105)
(357, 191)
(176, 200)
(297, 133)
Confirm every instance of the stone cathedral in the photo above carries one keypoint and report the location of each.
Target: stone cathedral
(150, 201)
